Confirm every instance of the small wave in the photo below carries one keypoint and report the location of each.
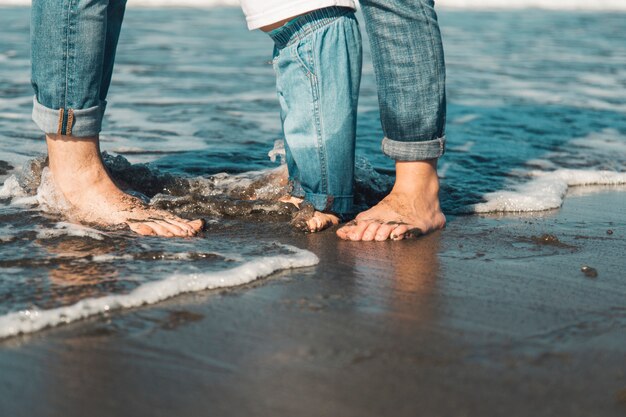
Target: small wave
(70, 229)
(546, 190)
(12, 188)
(32, 320)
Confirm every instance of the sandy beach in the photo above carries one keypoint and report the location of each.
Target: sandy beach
(493, 316)
(517, 308)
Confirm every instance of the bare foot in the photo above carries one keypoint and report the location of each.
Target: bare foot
(411, 209)
(318, 221)
(80, 175)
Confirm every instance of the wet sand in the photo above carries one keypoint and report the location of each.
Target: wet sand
(491, 317)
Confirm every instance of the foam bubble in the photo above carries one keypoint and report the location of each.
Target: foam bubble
(110, 258)
(546, 190)
(12, 188)
(70, 229)
(32, 320)
(278, 150)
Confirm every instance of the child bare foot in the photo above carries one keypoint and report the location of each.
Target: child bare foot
(311, 220)
(81, 177)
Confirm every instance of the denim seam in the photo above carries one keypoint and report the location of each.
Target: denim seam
(296, 53)
(414, 151)
(70, 122)
(69, 32)
(60, 127)
(321, 149)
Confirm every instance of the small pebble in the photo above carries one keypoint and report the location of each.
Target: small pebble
(589, 271)
(609, 232)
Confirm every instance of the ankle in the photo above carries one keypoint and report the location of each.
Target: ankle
(416, 178)
(70, 153)
(76, 164)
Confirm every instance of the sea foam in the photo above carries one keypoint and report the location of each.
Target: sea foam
(545, 191)
(32, 320)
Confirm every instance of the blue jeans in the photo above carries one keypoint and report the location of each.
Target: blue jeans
(73, 50)
(407, 54)
(317, 60)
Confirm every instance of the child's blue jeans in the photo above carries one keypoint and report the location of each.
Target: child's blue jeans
(317, 59)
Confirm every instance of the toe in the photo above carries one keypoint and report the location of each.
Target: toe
(172, 228)
(142, 229)
(400, 232)
(315, 224)
(159, 230)
(332, 220)
(357, 233)
(197, 224)
(384, 231)
(370, 231)
(344, 231)
(190, 231)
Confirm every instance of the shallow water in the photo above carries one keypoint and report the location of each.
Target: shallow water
(537, 103)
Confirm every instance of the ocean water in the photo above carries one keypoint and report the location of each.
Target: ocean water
(537, 105)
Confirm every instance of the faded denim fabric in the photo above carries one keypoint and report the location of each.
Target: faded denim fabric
(407, 54)
(73, 45)
(317, 59)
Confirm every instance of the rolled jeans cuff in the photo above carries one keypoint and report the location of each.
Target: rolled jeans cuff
(414, 151)
(70, 122)
(335, 204)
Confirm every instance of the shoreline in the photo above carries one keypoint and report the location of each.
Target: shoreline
(488, 317)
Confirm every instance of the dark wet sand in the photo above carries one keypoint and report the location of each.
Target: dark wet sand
(492, 317)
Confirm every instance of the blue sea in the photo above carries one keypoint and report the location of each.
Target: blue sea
(537, 106)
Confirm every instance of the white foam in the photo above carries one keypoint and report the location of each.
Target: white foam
(12, 188)
(607, 140)
(278, 150)
(32, 320)
(546, 190)
(70, 229)
(110, 258)
(267, 184)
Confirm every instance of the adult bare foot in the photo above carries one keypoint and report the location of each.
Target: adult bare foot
(411, 209)
(318, 221)
(80, 175)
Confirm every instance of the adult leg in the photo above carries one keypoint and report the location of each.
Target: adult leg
(408, 62)
(318, 68)
(73, 50)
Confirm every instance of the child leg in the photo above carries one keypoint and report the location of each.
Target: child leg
(317, 60)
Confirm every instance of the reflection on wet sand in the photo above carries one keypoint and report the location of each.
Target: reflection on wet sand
(74, 274)
(400, 279)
